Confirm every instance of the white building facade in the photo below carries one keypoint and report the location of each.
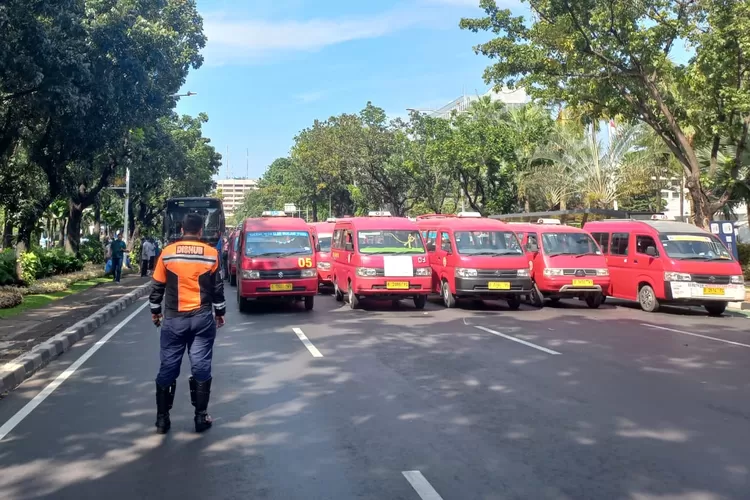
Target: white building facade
(233, 192)
(511, 98)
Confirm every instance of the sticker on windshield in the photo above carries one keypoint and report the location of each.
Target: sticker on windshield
(688, 237)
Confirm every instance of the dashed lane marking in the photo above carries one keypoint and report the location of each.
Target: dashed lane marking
(310, 347)
(515, 339)
(420, 484)
(695, 335)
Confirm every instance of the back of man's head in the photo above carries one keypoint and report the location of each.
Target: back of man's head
(192, 224)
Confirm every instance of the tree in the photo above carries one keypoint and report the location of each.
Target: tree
(613, 58)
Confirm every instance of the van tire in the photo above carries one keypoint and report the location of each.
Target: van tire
(537, 299)
(715, 308)
(647, 299)
(514, 302)
(309, 302)
(449, 300)
(420, 301)
(555, 300)
(233, 279)
(353, 299)
(243, 304)
(594, 300)
(339, 296)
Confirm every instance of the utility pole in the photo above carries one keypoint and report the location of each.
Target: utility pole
(127, 205)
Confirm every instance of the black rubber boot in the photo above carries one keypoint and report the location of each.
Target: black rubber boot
(164, 400)
(202, 393)
(192, 383)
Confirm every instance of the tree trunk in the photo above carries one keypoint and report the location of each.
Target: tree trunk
(75, 217)
(315, 212)
(21, 248)
(63, 226)
(97, 219)
(701, 205)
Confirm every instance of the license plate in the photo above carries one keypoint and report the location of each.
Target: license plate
(397, 285)
(281, 287)
(713, 291)
(498, 285)
(583, 282)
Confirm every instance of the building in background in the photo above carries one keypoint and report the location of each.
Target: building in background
(511, 98)
(233, 192)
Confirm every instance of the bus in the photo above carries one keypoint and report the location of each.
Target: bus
(211, 209)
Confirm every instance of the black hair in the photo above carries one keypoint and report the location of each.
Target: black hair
(192, 224)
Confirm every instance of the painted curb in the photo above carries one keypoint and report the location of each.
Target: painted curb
(13, 373)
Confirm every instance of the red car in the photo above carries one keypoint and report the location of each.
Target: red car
(322, 233)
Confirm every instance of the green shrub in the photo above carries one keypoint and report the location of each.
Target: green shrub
(743, 250)
(31, 266)
(92, 251)
(7, 267)
(10, 297)
(56, 261)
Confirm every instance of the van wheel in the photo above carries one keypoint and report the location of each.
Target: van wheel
(647, 299)
(554, 300)
(448, 298)
(594, 300)
(337, 292)
(537, 299)
(716, 309)
(244, 304)
(420, 301)
(233, 279)
(309, 303)
(514, 302)
(353, 299)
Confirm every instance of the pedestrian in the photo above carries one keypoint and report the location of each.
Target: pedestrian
(151, 256)
(187, 280)
(117, 250)
(146, 249)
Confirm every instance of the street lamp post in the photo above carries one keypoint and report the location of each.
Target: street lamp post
(127, 183)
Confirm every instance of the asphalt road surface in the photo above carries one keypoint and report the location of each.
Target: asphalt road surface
(470, 403)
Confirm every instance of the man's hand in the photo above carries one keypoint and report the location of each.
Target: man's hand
(220, 321)
(156, 318)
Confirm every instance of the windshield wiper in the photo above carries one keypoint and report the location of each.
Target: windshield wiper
(561, 253)
(293, 252)
(503, 252)
(587, 253)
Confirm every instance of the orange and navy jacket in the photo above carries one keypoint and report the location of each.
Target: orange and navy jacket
(187, 279)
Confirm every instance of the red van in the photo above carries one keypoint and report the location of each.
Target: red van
(232, 256)
(276, 259)
(475, 257)
(379, 257)
(322, 233)
(565, 262)
(658, 261)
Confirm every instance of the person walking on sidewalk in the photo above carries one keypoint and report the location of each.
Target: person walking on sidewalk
(152, 256)
(117, 249)
(186, 279)
(146, 249)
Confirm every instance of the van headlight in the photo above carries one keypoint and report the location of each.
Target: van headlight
(462, 272)
(422, 271)
(738, 280)
(309, 273)
(367, 271)
(602, 272)
(250, 275)
(552, 271)
(523, 273)
(672, 276)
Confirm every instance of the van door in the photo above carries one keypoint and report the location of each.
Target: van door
(445, 258)
(430, 242)
(650, 268)
(620, 267)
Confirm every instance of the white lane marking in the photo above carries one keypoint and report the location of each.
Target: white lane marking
(695, 335)
(514, 339)
(310, 347)
(420, 484)
(24, 412)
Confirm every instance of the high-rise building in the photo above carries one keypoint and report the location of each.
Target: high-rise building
(511, 98)
(233, 192)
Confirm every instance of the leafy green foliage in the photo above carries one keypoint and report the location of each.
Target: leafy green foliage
(92, 251)
(31, 267)
(7, 267)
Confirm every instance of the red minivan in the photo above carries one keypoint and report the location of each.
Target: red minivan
(232, 256)
(380, 257)
(322, 233)
(276, 259)
(565, 262)
(657, 261)
(475, 257)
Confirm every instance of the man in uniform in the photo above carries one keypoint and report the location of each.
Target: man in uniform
(187, 278)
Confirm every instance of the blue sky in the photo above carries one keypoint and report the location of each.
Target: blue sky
(273, 66)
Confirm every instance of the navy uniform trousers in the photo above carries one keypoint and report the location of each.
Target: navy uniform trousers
(195, 333)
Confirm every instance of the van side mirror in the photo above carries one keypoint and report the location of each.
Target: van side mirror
(651, 251)
(532, 247)
(349, 247)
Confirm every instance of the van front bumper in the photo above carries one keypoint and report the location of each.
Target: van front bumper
(263, 288)
(563, 285)
(385, 287)
(467, 287)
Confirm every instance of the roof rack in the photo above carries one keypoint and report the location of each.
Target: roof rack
(436, 216)
(331, 219)
(554, 222)
(473, 215)
(273, 213)
(380, 213)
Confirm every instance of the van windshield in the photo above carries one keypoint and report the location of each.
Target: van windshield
(694, 247)
(325, 242)
(277, 243)
(487, 243)
(566, 243)
(388, 241)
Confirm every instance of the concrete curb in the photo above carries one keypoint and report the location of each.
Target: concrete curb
(13, 373)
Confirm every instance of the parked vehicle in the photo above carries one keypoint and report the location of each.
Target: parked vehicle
(276, 259)
(565, 262)
(474, 257)
(322, 233)
(656, 262)
(232, 255)
(380, 257)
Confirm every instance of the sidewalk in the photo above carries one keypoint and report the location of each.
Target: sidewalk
(19, 334)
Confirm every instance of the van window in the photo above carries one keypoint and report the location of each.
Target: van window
(445, 242)
(487, 243)
(348, 237)
(619, 244)
(385, 241)
(277, 243)
(568, 243)
(694, 247)
(430, 239)
(603, 240)
(533, 239)
(337, 239)
(643, 242)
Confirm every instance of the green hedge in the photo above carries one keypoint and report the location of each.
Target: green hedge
(38, 264)
(7, 267)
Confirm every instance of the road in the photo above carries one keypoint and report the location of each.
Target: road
(401, 404)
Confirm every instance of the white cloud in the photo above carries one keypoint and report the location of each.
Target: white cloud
(310, 96)
(233, 40)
